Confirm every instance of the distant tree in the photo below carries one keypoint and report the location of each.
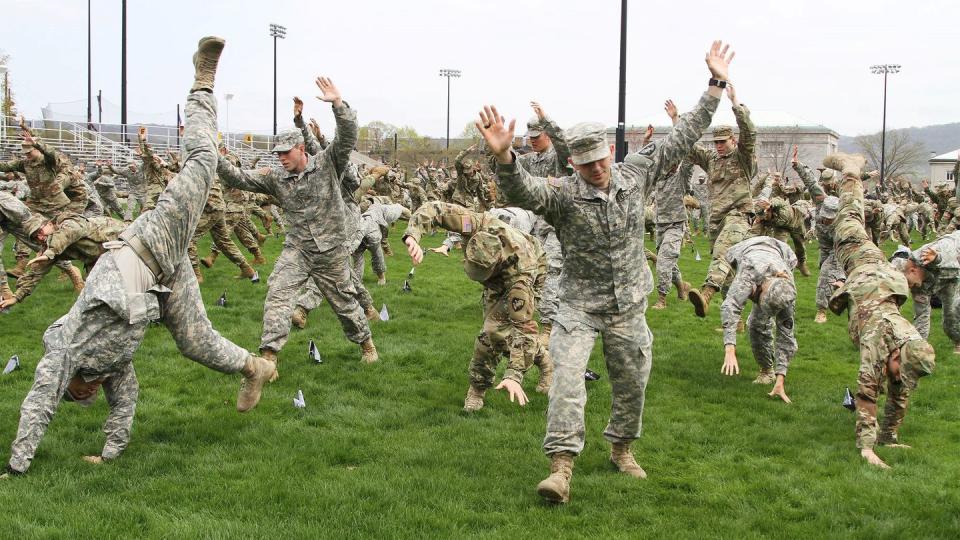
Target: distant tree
(470, 131)
(7, 105)
(903, 157)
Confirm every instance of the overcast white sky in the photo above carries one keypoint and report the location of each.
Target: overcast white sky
(807, 58)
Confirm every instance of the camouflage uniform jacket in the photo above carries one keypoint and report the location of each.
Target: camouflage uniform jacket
(13, 216)
(601, 233)
(522, 258)
(312, 200)
(155, 175)
(945, 267)
(670, 194)
(47, 180)
(755, 260)
(469, 188)
(729, 176)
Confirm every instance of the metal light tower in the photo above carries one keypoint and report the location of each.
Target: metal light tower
(276, 31)
(877, 70)
(449, 73)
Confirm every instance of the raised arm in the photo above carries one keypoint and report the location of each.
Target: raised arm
(347, 129)
(233, 176)
(806, 176)
(556, 137)
(747, 143)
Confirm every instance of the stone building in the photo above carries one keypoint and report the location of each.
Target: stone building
(941, 168)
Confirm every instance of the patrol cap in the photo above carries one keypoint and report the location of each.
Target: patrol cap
(534, 127)
(587, 142)
(779, 295)
(482, 255)
(829, 208)
(722, 133)
(826, 174)
(286, 140)
(33, 223)
(917, 359)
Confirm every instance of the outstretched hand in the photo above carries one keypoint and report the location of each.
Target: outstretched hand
(514, 390)
(671, 109)
(414, 250)
(496, 132)
(330, 92)
(730, 366)
(297, 107)
(538, 110)
(796, 154)
(718, 60)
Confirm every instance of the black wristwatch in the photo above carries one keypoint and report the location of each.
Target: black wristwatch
(718, 83)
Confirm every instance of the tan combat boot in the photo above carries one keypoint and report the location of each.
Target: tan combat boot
(766, 376)
(622, 457)
(271, 356)
(556, 487)
(299, 317)
(19, 269)
(258, 257)
(196, 272)
(261, 238)
(381, 280)
(545, 365)
(246, 272)
(474, 400)
(661, 302)
(5, 292)
(210, 259)
(700, 298)
(256, 372)
(368, 352)
(802, 267)
(76, 278)
(205, 62)
(371, 313)
(683, 291)
(845, 163)
(387, 250)
(821, 316)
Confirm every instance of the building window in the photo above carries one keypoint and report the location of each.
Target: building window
(772, 148)
(950, 175)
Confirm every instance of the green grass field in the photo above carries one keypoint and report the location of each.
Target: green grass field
(385, 451)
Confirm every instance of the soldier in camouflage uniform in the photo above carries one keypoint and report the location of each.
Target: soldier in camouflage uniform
(136, 189)
(598, 217)
(764, 274)
(375, 224)
(891, 349)
(511, 266)
(934, 270)
(154, 170)
(729, 167)
(310, 191)
(236, 219)
(105, 186)
(94, 343)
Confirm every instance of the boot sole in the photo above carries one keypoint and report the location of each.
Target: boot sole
(552, 496)
(698, 305)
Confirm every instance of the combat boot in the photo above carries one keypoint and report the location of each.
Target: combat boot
(258, 257)
(268, 222)
(683, 291)
(76, 278)
(700, 298)
(381, 280)
(256, 372)
(371, 313)
(556, 487)
(821, 316)
(474, 400)
(261, 238)
(368, 352)
(299, 317)
(205, 62)
(5, 292)
(545, 365)
(622, 457)
(196, 272)
(19, 269)
(845, 163)
(766, 376)
(661, 302)
(387, 250)
(246, 272)
(271, 356)
(802, 267)
(210, 259)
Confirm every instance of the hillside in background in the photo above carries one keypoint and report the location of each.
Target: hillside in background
(938, 139)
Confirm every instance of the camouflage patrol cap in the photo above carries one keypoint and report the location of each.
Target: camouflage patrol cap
(33, 223)
(482, 255)
(534, 127)
(826, 175)
(722, 133)
(780, 294)
(829, 208)
(917, 359)
(587, 142)
(286, 140)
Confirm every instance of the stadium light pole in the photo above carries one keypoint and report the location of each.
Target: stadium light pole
(276, 31)
(123, 70)
(621, 146)
(449, 74)
(89, 73)
(884, 69)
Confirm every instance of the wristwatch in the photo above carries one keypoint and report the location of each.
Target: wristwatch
(718, 83)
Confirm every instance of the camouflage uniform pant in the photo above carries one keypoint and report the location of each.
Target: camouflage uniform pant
(134, 196)
(772, 352)
(731, 230)
(111, 204)
(371, 242)
(330, 271)
(214, 223)
(948, 292)
(310, 297)
(236, 224)
(830, 272)
(875, 347)
(508, 329)
(550, 302)
(669, 243)
(627, 344)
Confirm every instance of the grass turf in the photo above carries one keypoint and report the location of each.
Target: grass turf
(385, 451)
